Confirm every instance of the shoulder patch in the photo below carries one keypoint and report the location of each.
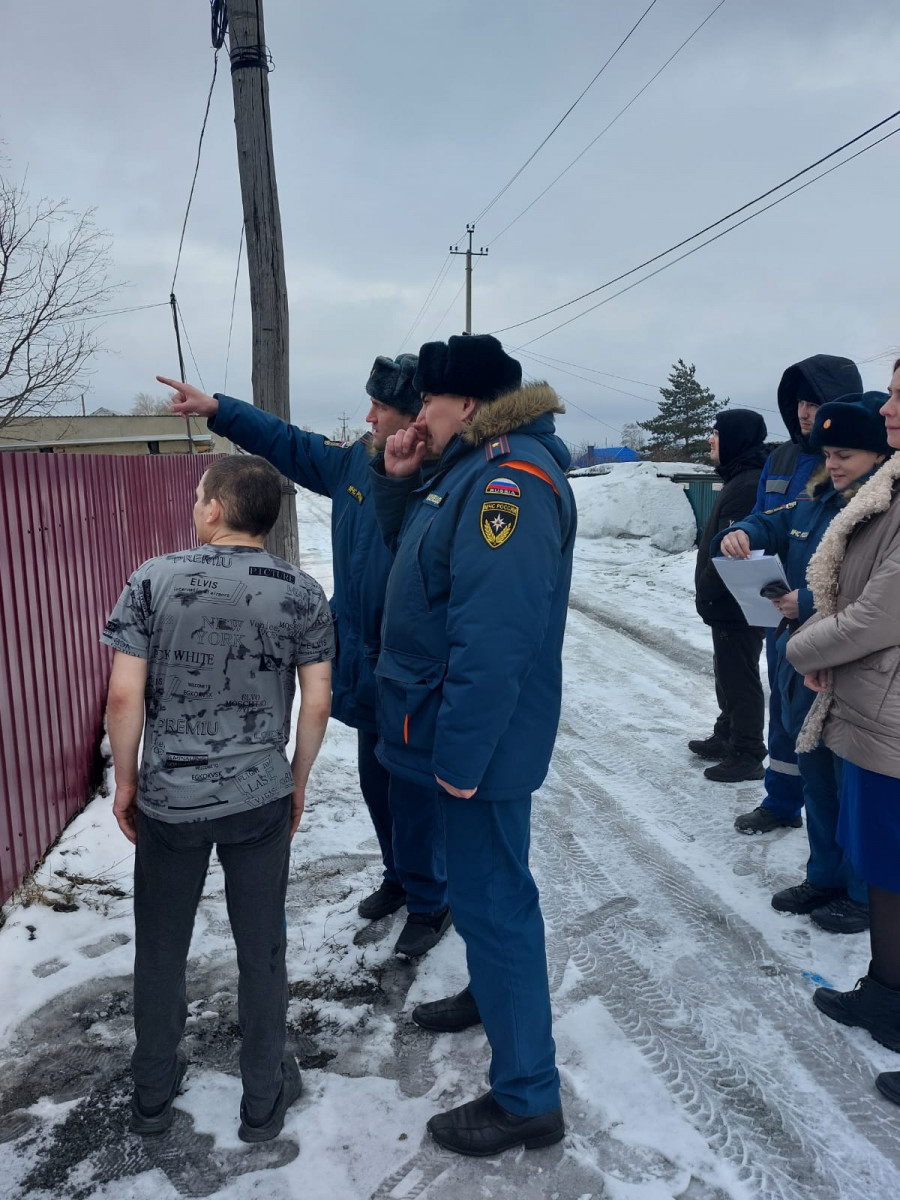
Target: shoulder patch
(502, 487)
(356, 494)
(498, 522)
(515, 465)
(339, 445)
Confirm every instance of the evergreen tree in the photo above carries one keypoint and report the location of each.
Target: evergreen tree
(686, 415)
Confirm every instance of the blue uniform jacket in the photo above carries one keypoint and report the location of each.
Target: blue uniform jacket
(470, 671)
(793, 532)
(361, 558)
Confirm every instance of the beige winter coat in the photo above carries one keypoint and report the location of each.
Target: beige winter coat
(855, 579)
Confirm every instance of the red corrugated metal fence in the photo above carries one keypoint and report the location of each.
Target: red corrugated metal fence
(72, 529)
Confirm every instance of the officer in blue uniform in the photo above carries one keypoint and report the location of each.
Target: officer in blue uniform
(408, 821)
(474, 497)
(850, 433)
(804, 386)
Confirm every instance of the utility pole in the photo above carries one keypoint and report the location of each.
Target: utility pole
(470, 229)
(343, 427)
(262, 227)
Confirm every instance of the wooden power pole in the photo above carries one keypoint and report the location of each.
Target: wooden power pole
(469, 253)
(262, 227)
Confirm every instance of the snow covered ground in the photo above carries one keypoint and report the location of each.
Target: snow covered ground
(693, 1062)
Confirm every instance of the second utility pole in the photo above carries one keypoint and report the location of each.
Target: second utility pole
(470, 229)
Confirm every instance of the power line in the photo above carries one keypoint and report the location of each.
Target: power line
(429, 299)
(608, 126)
(446, 312)
(190, 347)
(196, 166)
(237, 270)
(535, 153)
(693, 237)
(716, 236)
(111, 312)
(549, 360)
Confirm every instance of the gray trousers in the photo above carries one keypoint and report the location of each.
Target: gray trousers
(169, 871)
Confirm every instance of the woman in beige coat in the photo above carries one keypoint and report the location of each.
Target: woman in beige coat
(849, 653)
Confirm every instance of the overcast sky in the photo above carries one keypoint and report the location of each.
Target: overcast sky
(396, 123)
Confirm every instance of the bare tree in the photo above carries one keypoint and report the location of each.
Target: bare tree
(147, 405)
(54, 267)
(634, 437)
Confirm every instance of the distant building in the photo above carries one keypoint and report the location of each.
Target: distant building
(106, 432)
(594, 455)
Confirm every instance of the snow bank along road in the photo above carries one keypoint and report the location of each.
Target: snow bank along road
(694, 1064)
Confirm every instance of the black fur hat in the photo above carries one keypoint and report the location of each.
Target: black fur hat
(468, 365)
(852, 422)
(391, 382)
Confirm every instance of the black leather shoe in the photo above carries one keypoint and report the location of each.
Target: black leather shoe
(870, 1005)
(157, 1120)
(713, 748)
(888, 1083)
(448, 1016)
(763, 820)
(291, 1087)
(421, 932)
(803, 897)
(736, 769)
(841, 915)
(482, 1127)
(382, 902)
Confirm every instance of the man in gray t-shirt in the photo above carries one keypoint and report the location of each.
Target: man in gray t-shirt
(209, 644)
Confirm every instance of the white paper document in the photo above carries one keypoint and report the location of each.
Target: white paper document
(745, 576)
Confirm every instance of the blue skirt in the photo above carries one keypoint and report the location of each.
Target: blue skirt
(869, 825)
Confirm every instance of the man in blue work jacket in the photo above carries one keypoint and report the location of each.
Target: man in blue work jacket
(804, 386)
(469, 690)
(408, 821)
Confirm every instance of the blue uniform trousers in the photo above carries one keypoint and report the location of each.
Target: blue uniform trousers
(496, 910)
(375, 785)
(420, 858)
(784, 787)
(828, 865)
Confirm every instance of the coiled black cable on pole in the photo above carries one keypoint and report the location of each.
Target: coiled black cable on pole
(219, 22)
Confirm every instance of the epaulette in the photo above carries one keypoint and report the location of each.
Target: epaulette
(767, 512)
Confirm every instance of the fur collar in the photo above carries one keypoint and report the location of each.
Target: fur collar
(512, 410)
(873, 497)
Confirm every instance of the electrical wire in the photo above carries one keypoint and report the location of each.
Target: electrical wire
(430, 338)
(429, 298)
(608, 126)
(571, 107)
(190, 347)
(112, 312)
(196, 168)
(233, 300)
(693, 237)
(550, 361)
(218, 22)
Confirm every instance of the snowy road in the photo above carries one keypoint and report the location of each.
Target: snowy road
(694, 1064)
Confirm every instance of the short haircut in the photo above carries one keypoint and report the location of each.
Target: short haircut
(249, 490)
(896, 365)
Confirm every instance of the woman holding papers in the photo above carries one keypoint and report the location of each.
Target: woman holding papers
(850, 434)
(850, 653)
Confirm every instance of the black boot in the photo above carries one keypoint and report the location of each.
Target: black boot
(450, 1015)
(482, 1127)
(842, 915)
(869, 1006)
(737, 769)
(151, 1122)
(714, 748)
(291, 1087)
(764, 820)
(888, 1083)
(803, 897)
(382, 902)
(421, 932)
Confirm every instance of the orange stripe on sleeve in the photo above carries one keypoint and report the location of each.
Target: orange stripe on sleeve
(517, 465)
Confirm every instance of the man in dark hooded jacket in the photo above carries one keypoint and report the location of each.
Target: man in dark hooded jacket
(736, 449)
(804, 386)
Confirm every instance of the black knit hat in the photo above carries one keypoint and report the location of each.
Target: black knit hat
(852, 422)
(469, 365)
(391, 382)
(740, 430)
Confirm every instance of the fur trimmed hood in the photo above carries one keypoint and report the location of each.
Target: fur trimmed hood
(511, 411)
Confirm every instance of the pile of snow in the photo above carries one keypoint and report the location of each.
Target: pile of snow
(632, 501)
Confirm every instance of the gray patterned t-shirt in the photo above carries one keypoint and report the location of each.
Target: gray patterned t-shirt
(223, 629)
